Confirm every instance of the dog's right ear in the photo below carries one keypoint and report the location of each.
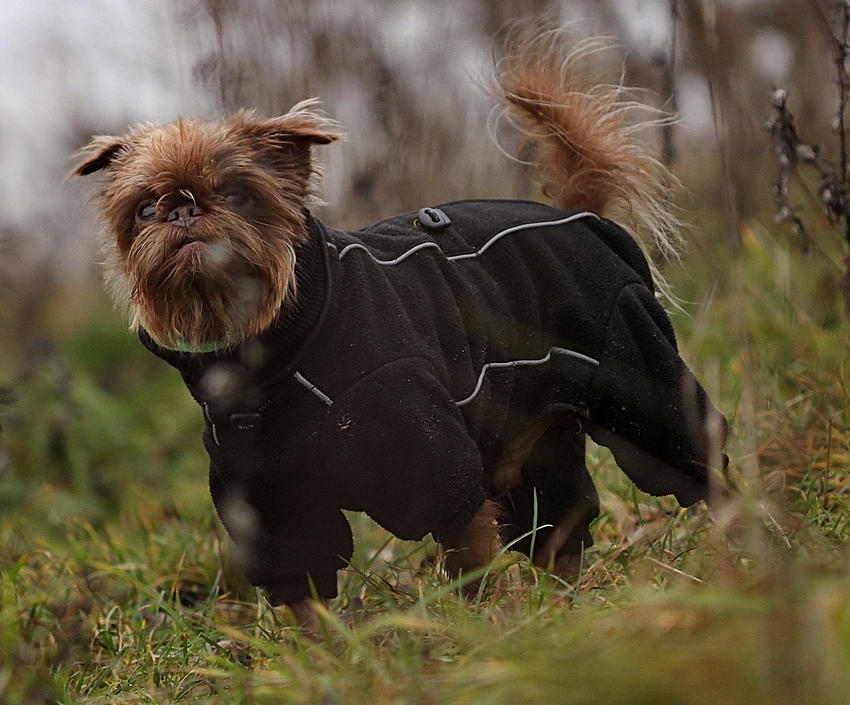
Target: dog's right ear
(101, 151)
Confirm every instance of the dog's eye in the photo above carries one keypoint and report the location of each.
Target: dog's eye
(146, 210)
(238, 198)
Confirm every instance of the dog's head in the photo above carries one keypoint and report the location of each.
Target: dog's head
(202, 220)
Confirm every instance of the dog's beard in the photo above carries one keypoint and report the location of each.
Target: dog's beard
(210, 285)
(202, 221)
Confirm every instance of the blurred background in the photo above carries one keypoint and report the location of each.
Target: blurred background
(406, 78)
(408, 81)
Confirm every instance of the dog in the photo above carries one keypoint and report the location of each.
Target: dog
(439, 370)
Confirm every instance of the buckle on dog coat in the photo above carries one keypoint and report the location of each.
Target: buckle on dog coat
(432, 220)
(241, 421)
(246, 421)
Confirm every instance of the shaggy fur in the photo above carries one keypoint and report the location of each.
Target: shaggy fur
(582, 134)
(241, 184)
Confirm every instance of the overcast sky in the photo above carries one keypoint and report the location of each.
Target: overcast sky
(71, 66)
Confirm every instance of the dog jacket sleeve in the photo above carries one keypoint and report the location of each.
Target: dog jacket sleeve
(398, 449)
(288, 535)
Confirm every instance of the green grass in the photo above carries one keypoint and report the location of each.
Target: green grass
(115, 586)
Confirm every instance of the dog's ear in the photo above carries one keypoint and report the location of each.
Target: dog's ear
(285, 143)
(99, 155)
(298, 129)
(301, 127)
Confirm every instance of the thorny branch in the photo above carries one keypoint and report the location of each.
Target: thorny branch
(789, 149)
(840, 50)
(832, 183)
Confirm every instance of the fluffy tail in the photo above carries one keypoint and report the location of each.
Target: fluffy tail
(582, 134)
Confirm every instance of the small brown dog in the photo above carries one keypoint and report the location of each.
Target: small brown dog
(439, 370)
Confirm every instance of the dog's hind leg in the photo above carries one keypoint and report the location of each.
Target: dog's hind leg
(474, 546)
(507, 472)
(478, 543)
(548, 513)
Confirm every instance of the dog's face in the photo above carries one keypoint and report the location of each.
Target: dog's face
(202, 219)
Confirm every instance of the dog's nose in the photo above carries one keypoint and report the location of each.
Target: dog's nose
(183, 216)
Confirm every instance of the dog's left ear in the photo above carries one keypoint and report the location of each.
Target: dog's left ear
(303, 130)
(300, 128)
(101, 151)
(285, 143)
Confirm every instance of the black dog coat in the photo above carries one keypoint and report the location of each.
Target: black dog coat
(417, 350)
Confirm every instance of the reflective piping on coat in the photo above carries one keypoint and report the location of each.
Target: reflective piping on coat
(208, 417)
(467, 255)
(524, 363)
(314, 390)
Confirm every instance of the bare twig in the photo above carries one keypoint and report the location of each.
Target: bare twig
(675, 570)
(719, 97)
(668, 76)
